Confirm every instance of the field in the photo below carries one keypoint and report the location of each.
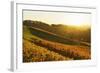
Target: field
(42, 43)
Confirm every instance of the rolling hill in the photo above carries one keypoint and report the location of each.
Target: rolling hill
(43, 39)
(80, 34)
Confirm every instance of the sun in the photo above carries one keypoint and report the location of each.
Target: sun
(77, 21)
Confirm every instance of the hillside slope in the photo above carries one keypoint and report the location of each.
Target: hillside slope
(82, 33)
(41, 45)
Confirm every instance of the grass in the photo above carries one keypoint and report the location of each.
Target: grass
(72, 51)
(34, 53)
(37, 49)
(55, 38)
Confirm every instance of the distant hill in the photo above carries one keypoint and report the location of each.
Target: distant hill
(65, 31)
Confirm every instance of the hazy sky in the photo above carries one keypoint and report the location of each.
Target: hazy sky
(58, 17)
